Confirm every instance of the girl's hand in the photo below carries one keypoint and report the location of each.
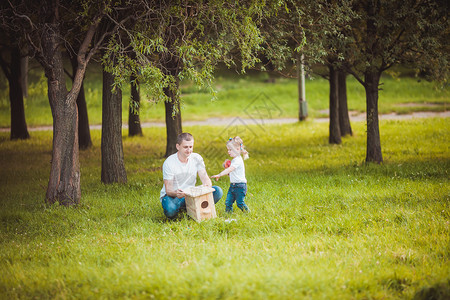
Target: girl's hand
(216, 177)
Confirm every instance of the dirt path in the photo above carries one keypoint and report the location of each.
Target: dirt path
(354, 117)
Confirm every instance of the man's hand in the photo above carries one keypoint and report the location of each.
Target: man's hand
(180, 193)
(171, 192)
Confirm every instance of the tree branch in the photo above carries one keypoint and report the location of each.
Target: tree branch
(82, 56)
(352, 72)
(25, 17)
(68, 74)
(37, 52)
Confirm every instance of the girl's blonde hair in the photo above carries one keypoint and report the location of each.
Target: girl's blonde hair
(238, 143)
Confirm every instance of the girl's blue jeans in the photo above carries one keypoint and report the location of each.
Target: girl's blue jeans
(172, 205)
(236, 192)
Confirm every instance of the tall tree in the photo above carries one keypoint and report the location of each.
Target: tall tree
(344, 118)
(334, 128)
(173, 123)
(43, 25)
(134, 122)
(113, 167)
(383, 33)
(172, 65)
(64, 183)
(174, 41)
(305, 27)
(326, 19)
(339, 116)
(339, 125)
(282, 50)
(13, 72)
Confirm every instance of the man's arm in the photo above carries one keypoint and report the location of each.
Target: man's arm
(204, 178)
(171, 192)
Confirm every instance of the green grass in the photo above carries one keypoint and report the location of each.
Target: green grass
(235, 93)
(323, 224)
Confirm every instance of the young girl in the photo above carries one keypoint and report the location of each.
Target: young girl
(238, 182)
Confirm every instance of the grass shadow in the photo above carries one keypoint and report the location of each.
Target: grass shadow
(440, 291)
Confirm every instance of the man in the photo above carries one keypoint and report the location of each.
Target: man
(180, 172)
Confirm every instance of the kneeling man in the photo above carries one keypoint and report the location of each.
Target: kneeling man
(180, 172)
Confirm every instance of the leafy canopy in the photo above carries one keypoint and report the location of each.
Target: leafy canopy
(175, 40)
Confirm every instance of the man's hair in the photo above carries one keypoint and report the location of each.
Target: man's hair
(185, 136)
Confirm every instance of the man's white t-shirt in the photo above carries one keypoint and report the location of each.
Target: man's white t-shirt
(238, 175)
(183, 175)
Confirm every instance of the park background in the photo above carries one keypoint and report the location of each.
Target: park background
(403, 92)
(333, 216)
(324, 224)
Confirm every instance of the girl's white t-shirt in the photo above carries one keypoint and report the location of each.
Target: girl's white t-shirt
(238, 175)
(183, 175)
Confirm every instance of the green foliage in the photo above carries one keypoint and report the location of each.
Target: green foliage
(323, 224)
(361, 35)
(381, 34)
(172, 41)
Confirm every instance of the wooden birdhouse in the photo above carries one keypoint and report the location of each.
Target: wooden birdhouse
(200, 203)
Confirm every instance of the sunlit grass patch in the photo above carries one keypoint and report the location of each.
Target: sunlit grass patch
(323, 224)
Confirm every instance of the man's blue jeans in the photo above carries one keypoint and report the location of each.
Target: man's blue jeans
(236, 192)
(172, 205)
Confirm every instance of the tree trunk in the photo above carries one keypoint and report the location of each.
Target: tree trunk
(173, 120)
(24, 75)
(373, 153)
(371, 83)
(134, 124)
(335, 132)
(19, 128)
(64, 183)
(344, 119)
(303, 108)
(113, 167)
(84, 133)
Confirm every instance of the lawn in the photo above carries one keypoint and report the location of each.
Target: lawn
(323, 225)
